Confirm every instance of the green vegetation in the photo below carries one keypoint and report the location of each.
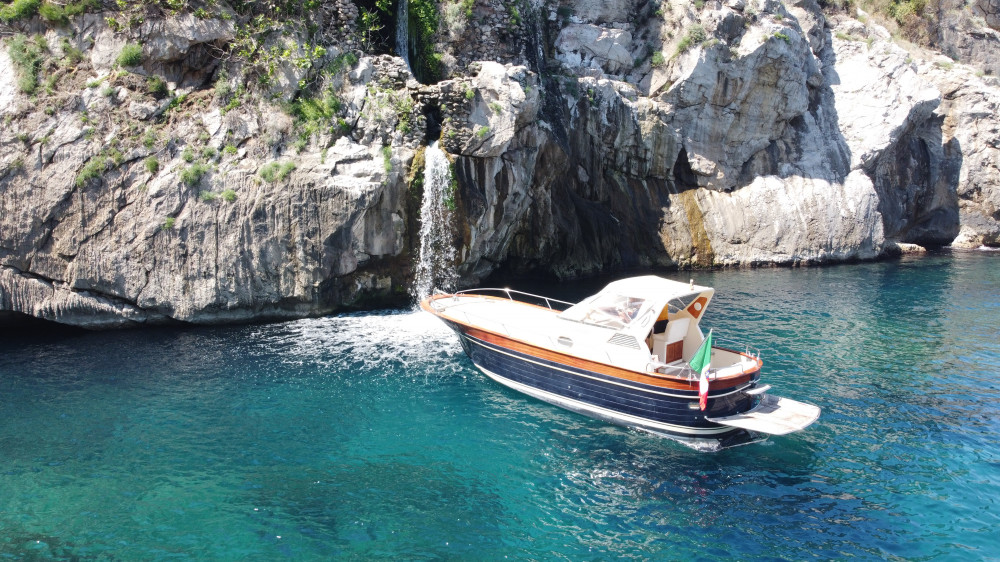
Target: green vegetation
(314, 115)
(482, 132)
(695, 36)
(19, 9)
(515, 15)
(470, 94)
(152, 164)
(60, 13)
(149, 139)
(208, 196)
(237, 98)
(157, 86)
(175, 102)
(27, 57)
(782, 36)
(496, 107)
(49, 84)
(71, 55)
(188, 154)
(92, 169)
(657, 59)
(917, 21)
(369, 26)
(230, 150)
(387, 158)
(228, 196)
(192, 175)
(131, 55)
(424, 26)
(168, 223)
(276, 172)
(451, 194)
(209, 152)
(342, 62)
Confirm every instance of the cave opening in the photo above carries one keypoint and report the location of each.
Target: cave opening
(16, 324)
(684, 176)
(432, 113)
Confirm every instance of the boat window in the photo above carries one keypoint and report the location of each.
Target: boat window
(678, 304)
(609, 310)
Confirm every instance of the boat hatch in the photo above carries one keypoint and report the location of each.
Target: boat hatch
(774, 415)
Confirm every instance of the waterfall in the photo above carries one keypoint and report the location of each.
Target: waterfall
(436, 265)
(402, 31)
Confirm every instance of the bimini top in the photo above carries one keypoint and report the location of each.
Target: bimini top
(633, 305)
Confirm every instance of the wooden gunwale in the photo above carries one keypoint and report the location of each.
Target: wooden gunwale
(660, 380)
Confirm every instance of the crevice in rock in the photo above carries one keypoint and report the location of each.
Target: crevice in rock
(684, 176)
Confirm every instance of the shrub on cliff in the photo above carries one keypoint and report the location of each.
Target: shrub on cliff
(92, 169)
(27, 58)
(276, 172)
(131, 55)
(695, 36)
(19, 9)
(193, 174)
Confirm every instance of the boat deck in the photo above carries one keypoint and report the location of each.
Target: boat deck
(514, 319)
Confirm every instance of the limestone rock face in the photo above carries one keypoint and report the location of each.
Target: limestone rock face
(584, 137)
(585, 45)
(970, 130)
(989, 10)
(971, 35)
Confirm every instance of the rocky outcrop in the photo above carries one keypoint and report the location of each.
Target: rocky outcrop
(969, 118)
(970, 33)
(603, 136)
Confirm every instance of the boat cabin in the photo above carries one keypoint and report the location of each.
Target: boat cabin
(662, 314)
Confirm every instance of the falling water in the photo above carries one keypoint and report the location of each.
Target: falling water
(435, 268)
(402, 31)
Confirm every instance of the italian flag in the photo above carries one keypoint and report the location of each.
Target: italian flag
(701, 362)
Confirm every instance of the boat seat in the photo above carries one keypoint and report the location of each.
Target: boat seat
(669, 346)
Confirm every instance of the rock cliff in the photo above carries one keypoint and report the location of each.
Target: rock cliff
(208, 164)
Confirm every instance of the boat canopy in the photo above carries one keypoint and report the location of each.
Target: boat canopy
(635, 304)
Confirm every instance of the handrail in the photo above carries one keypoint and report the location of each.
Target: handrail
(735, 346)
(508, 292)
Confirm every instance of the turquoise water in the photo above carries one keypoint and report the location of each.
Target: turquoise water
(371, 436)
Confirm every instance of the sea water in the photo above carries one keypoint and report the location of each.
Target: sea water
(371, 436)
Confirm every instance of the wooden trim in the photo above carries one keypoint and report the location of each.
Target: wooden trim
(661, 381)
(675, 351)
(602, 368)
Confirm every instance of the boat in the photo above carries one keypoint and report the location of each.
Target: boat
(624, 355)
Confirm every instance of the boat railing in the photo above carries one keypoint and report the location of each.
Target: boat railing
(520, 296)
(736, 346)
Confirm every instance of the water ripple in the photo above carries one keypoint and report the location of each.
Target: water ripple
(371, 436)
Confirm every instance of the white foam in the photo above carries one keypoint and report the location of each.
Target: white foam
(374, 340)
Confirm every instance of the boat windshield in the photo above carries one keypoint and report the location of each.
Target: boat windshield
(608, 310)
(678, 304)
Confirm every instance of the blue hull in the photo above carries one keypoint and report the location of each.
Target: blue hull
(661, 410)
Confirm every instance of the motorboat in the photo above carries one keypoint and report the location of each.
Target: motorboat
(634, 354)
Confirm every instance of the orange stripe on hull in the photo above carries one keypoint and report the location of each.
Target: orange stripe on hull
(602, 368)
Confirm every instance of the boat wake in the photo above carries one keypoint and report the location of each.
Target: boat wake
(379, 341)
(713, 445)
